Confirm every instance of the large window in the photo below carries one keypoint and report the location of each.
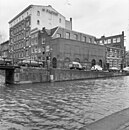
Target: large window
(67, 35)
(58, 35)
(90, 40)
(109, 41)
(118, 39)
(75, 37)
(84, 39)
(114, 40)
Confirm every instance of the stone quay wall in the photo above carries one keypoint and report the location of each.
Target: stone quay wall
(31, 75)
(64, 75)
(38, 75)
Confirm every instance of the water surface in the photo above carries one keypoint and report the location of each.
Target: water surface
(61, 105)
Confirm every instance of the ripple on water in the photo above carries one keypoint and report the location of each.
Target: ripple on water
(61, 106)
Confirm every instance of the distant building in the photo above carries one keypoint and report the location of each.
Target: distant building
(41, 33)
(115, 50)
(31, 19)
(4, 48)
(62, 46)
(127, 58)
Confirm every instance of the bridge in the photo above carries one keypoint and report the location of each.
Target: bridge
(9, 73)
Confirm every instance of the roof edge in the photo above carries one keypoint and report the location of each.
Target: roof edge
(20, 13)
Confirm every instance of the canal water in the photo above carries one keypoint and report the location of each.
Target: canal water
(61, 105)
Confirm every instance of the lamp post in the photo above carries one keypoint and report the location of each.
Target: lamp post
(49, 62)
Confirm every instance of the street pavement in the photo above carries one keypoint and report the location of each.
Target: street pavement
(116, 121)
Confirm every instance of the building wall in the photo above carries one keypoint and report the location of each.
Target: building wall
(20, 39)
(115, 50)
(127, 58)
(70, 34)
(114, 56)
(68, 24)
(31, 19)
(47, 16)
(66, 50)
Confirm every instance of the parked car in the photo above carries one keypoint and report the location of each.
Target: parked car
(75, 65)
(126, 69)
(114, 69)
(30, 63)
(5, 61)
(96, 68)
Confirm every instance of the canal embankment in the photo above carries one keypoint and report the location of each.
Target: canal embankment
(38, 75)
(116, 121)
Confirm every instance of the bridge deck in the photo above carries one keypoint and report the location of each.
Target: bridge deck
(8, 67)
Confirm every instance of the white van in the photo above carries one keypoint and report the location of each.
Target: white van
(75, 65)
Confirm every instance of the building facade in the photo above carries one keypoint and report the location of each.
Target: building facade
(4, 48)
(32, 19)
(63, 46)
(115, 50)
(42, 33)
(127, 58)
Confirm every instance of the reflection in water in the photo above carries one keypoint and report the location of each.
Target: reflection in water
(62, 105)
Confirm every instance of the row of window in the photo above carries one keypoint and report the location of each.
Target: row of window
(34, 39)
(20, 36)
(115, 53)
(21, 54)
(75, 37)
(114, 63)
(108, 41)
(19, 19)
(25, 53)
(35, 50)
(21, 44)
(21, 26)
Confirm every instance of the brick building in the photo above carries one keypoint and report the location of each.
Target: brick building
(115, 50)
(4, 49)
(32, 19)
(42, 33)
(63, 46)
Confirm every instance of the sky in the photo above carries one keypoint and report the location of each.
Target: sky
(93, 17)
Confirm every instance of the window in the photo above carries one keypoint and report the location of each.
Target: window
(27, 23)
(75, 36)
(38, 13)
(27, 42)
(118, 39)
(43, 40)
(38, 22)
(109, 40)
(58, 35)
(114, 40)
(59, 20)
(67, 35)
(105, 41)
(43, 9)
(90, 40)
(84, 39)
(27, 53)
(101, 42)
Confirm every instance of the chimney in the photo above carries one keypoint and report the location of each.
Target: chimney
(71, 22)
(70, 19)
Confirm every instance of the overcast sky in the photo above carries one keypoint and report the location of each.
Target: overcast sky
(94, 17)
